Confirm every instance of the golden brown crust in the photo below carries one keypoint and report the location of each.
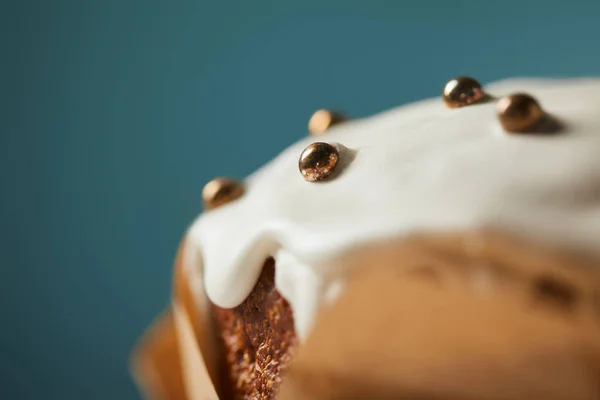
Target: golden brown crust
(258, 336)
(462, 316)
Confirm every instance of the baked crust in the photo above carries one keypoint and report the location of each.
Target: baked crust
(474, 315)
(258, 336)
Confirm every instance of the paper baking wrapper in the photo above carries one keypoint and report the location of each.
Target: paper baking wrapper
(467, 315)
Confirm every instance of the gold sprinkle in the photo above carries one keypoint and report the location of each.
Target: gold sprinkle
(322, 120)
(519, 112)
(462, 91)
(318, 161)
(221, 191)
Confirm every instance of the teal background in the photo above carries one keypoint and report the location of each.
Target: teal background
(114, 113)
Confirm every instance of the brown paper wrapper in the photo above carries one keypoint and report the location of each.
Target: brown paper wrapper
(474, 315)
(179, 358)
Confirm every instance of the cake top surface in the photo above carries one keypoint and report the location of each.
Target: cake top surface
(418, 167)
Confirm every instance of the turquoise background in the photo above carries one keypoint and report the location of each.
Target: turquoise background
(114, 113)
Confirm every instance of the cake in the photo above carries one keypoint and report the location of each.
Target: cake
(444, 249)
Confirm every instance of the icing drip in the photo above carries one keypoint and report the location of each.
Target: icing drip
(418, 167)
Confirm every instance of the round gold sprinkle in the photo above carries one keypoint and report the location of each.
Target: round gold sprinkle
(519, 112)
(221, 191)
(322, 120)
(318, 161)
(462, 91)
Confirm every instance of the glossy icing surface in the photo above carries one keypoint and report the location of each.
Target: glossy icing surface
(418, 167)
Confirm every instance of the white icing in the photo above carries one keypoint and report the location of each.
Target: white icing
(298, 283)
(417, 167)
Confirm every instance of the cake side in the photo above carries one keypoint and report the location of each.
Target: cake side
(456, 315)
